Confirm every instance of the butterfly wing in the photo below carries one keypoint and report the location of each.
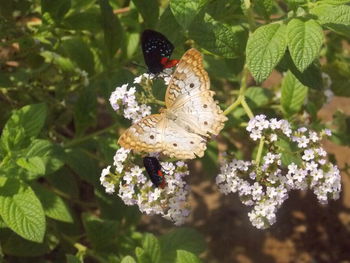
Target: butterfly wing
(157, 133)
(145, 135)
(180, 143)
(200, 114)
(189, 99)
(188, 79)
(155, 46)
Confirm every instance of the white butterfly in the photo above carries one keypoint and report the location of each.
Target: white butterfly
(191, 115)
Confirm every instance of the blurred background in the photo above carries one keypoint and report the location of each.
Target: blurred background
(71, 54)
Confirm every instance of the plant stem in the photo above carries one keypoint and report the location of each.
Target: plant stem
(159, 102)
(247, 109)
(260, 150)
(241, 98)
(233, 105)
(89, 136)
(249, 15)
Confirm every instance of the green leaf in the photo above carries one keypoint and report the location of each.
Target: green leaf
(265, 48)
(61, 62)
(34, 165)
(82, 164)
(142, 256)
(341, 130)
(258, 97)
(293, 94)
(88, 20)
(73, 259)
(56, 9)
(128, 259)
(79, 52)
(21, 210)
(264, 7)
(290, 152)
(294, 4)
(225, 11)
(151, 247)
(334, 17)
(339, 71)
(110, 208)
(169, 27)
(311, 77)
(304, 41)
(185, 11)
(85, 110)
(149, 11)
(101, 233)
(210, 158)
(183, 238)
(221, 39)
(65, 181)
(112, 28)
(17, 246)
(51, 154)
(334, 2)
(23, 124)
(183, 256)
(54, 206)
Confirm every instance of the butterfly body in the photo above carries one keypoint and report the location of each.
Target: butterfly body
(191, 115)
(154, 171)
(157, 49)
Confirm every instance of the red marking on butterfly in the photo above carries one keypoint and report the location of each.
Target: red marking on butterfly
(168, 63)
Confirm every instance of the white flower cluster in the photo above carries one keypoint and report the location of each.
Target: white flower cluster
(125, 96)
(136, 189)
(266, 186)
(132, 110)
(107, 179)
(258, 125)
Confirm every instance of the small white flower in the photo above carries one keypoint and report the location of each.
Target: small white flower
(321, 152)
(138, 79)
(303, 142)
(273, 137)
(328, 132)
(308, 155)
(302, 129)
(285, 127)
(269, 158)
(313, 136)
(275, 124)
(292, 168)
(106, 171)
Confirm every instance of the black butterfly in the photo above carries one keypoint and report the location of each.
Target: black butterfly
(157, 49)
(154, 170)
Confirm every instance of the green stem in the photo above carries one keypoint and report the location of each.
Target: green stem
(159, 102)
(234, 105)
(247, 109)
(89, 136)
(260, 150)
(249, 15)
(241, 98)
